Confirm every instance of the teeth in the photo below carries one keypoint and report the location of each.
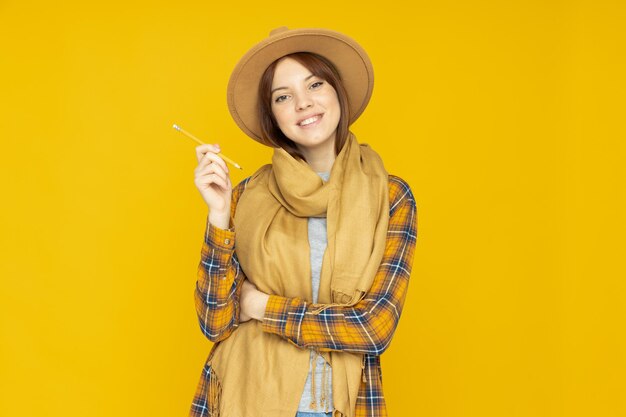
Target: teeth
(309, 121)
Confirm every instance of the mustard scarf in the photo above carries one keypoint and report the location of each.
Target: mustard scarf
(259, 373)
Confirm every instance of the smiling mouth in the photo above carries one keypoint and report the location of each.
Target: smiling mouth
(310, 120)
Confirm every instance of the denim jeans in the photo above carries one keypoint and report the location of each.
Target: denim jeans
(305, 414)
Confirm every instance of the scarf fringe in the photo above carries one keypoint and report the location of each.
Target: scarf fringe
(214, 394)
(358, 294)
(325, 394)
(313, 404)
(363, 369)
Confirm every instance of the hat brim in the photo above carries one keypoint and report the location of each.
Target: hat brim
(350, 59)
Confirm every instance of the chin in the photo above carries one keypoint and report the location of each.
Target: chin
(311, 142)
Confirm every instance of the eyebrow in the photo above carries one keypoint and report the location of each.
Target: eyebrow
(284, 88)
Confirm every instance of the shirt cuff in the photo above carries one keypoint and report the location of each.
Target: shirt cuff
(216, 237)
(283, 316)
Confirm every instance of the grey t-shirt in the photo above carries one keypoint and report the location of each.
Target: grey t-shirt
(317, 242)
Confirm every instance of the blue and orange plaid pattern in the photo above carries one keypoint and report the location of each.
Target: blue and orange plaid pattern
(367, 327)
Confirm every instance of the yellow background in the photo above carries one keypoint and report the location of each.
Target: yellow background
(506, 118)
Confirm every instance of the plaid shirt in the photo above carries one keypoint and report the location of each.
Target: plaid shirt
(367, 327)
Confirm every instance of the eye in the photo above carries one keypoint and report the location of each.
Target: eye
(279, 99)
(317, 84)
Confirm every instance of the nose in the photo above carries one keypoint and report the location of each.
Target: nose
(303, 102)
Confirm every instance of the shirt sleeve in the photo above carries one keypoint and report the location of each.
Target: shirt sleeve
(368, 326)
(219, 279)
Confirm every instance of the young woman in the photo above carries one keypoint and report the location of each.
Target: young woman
(305, 264)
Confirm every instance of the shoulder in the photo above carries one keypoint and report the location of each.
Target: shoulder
(239, 188)
(258, 175)
(400, 193)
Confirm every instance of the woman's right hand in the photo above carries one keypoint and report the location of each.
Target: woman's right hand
(213, 182)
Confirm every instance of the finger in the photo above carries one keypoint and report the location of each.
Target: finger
(201, 150)
(212, 179)
(209, 158)
(213, 169)
(216, 158)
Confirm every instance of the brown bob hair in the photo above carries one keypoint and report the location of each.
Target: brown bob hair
(320, 67)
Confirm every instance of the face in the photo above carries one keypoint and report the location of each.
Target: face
(305, 106)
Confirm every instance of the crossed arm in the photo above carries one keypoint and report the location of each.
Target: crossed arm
(366, 327)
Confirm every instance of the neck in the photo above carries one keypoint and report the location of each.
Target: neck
(320, 158)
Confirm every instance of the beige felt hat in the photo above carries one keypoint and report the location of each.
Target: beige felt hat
(350, 59)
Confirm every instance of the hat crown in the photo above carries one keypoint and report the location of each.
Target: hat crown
(278, 30)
